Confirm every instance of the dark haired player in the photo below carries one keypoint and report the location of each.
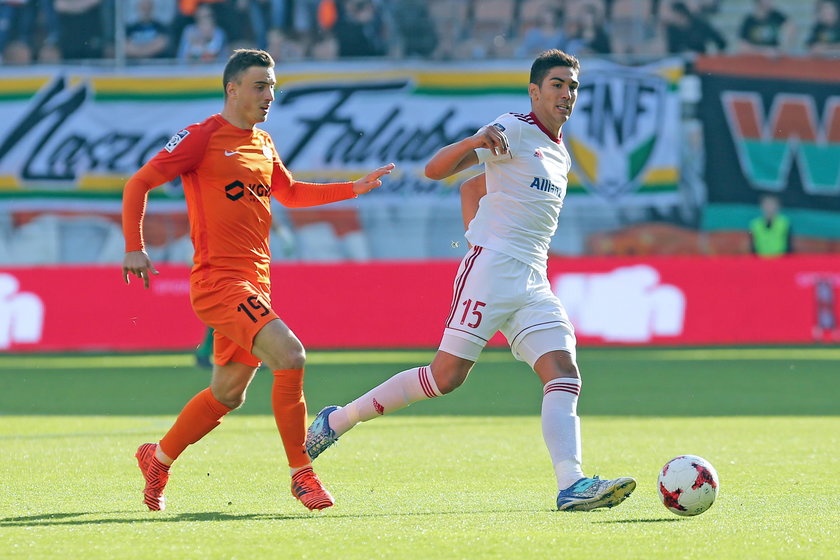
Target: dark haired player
(230, 171)
(502, 284)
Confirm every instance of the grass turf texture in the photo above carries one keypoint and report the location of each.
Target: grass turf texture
(468, 478)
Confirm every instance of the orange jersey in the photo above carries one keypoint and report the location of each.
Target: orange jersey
(229, 175)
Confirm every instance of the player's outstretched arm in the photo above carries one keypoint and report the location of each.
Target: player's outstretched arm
(135, 196)
(471, 192)
(372, 179)
(138, 264)
(300, 194)
(458, 156)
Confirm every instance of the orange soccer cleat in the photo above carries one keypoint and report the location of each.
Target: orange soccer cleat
(308, 489)
(156, 475)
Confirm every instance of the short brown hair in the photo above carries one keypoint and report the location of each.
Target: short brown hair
(241, 60)
(548, 60)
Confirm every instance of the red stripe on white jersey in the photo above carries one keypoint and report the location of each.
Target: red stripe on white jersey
(461, 281)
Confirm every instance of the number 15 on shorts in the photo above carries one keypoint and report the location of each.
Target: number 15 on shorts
(472, 313)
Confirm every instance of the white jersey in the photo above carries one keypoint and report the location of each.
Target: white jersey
(525, 191)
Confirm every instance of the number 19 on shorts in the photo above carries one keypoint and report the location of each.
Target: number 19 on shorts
(253, 307)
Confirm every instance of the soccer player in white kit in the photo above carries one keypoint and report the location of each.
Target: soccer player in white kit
(502, 285)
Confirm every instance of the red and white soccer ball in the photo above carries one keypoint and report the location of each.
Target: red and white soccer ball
(688, 485)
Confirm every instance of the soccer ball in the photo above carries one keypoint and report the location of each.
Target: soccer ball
(688, 485)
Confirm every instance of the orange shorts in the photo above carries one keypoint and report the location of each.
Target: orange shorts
(236, 309)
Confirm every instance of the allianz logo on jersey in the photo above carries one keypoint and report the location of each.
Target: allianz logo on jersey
(545, 185)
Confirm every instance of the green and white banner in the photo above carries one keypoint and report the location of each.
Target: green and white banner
(79, 132)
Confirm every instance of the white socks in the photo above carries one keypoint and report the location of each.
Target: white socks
(397, 392)
(560, 423)
(561, 428)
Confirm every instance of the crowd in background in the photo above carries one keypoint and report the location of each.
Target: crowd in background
(195, 31)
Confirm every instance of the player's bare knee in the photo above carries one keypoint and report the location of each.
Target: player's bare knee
(564, 368)
(568, 370)
(296, 359)
(450, 379)
(555, 365)
(232, 399)
(290, 355)
(447, 385)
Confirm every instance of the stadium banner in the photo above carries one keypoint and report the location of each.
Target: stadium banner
(79, 132)
(638, 301)
(772, 126)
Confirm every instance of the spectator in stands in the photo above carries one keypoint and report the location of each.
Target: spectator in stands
(263, 16)
(690, 32)
(770, 234)
(146, 37)
(825, 34)
(542, 34)
(766, 30)
(283, 46)
(13, 16)
(80, 30)
(19, 32)
(587, 34)
(450, 24)
(44, 35)
(17, 53)
(360, 29)
(635, 28)
(488, 28)
(203, 41)
(416, 27)
(225, 13)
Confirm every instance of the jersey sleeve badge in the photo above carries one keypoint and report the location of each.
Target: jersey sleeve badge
(175, 140)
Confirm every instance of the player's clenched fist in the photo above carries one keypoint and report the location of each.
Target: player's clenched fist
(491, 137)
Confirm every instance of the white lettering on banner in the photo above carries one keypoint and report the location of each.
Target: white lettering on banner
(21, 314)
(628, 304)
(163, 286)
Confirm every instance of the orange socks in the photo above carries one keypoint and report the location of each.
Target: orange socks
(197, 419)
(204, 412)
(290, 414)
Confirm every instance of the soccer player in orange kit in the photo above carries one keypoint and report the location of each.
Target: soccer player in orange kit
(230, 169)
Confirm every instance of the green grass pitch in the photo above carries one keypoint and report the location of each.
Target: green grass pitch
(464, 476)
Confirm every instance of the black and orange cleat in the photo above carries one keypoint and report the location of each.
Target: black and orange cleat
(156, 475)
(307, 488)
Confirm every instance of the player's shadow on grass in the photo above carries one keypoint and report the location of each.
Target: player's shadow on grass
(99, 518)
(95, 518)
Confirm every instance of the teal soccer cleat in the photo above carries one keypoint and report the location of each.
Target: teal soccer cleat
(592, 493)
(320, 436)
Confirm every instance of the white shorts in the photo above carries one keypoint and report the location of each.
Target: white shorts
(494, 292)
